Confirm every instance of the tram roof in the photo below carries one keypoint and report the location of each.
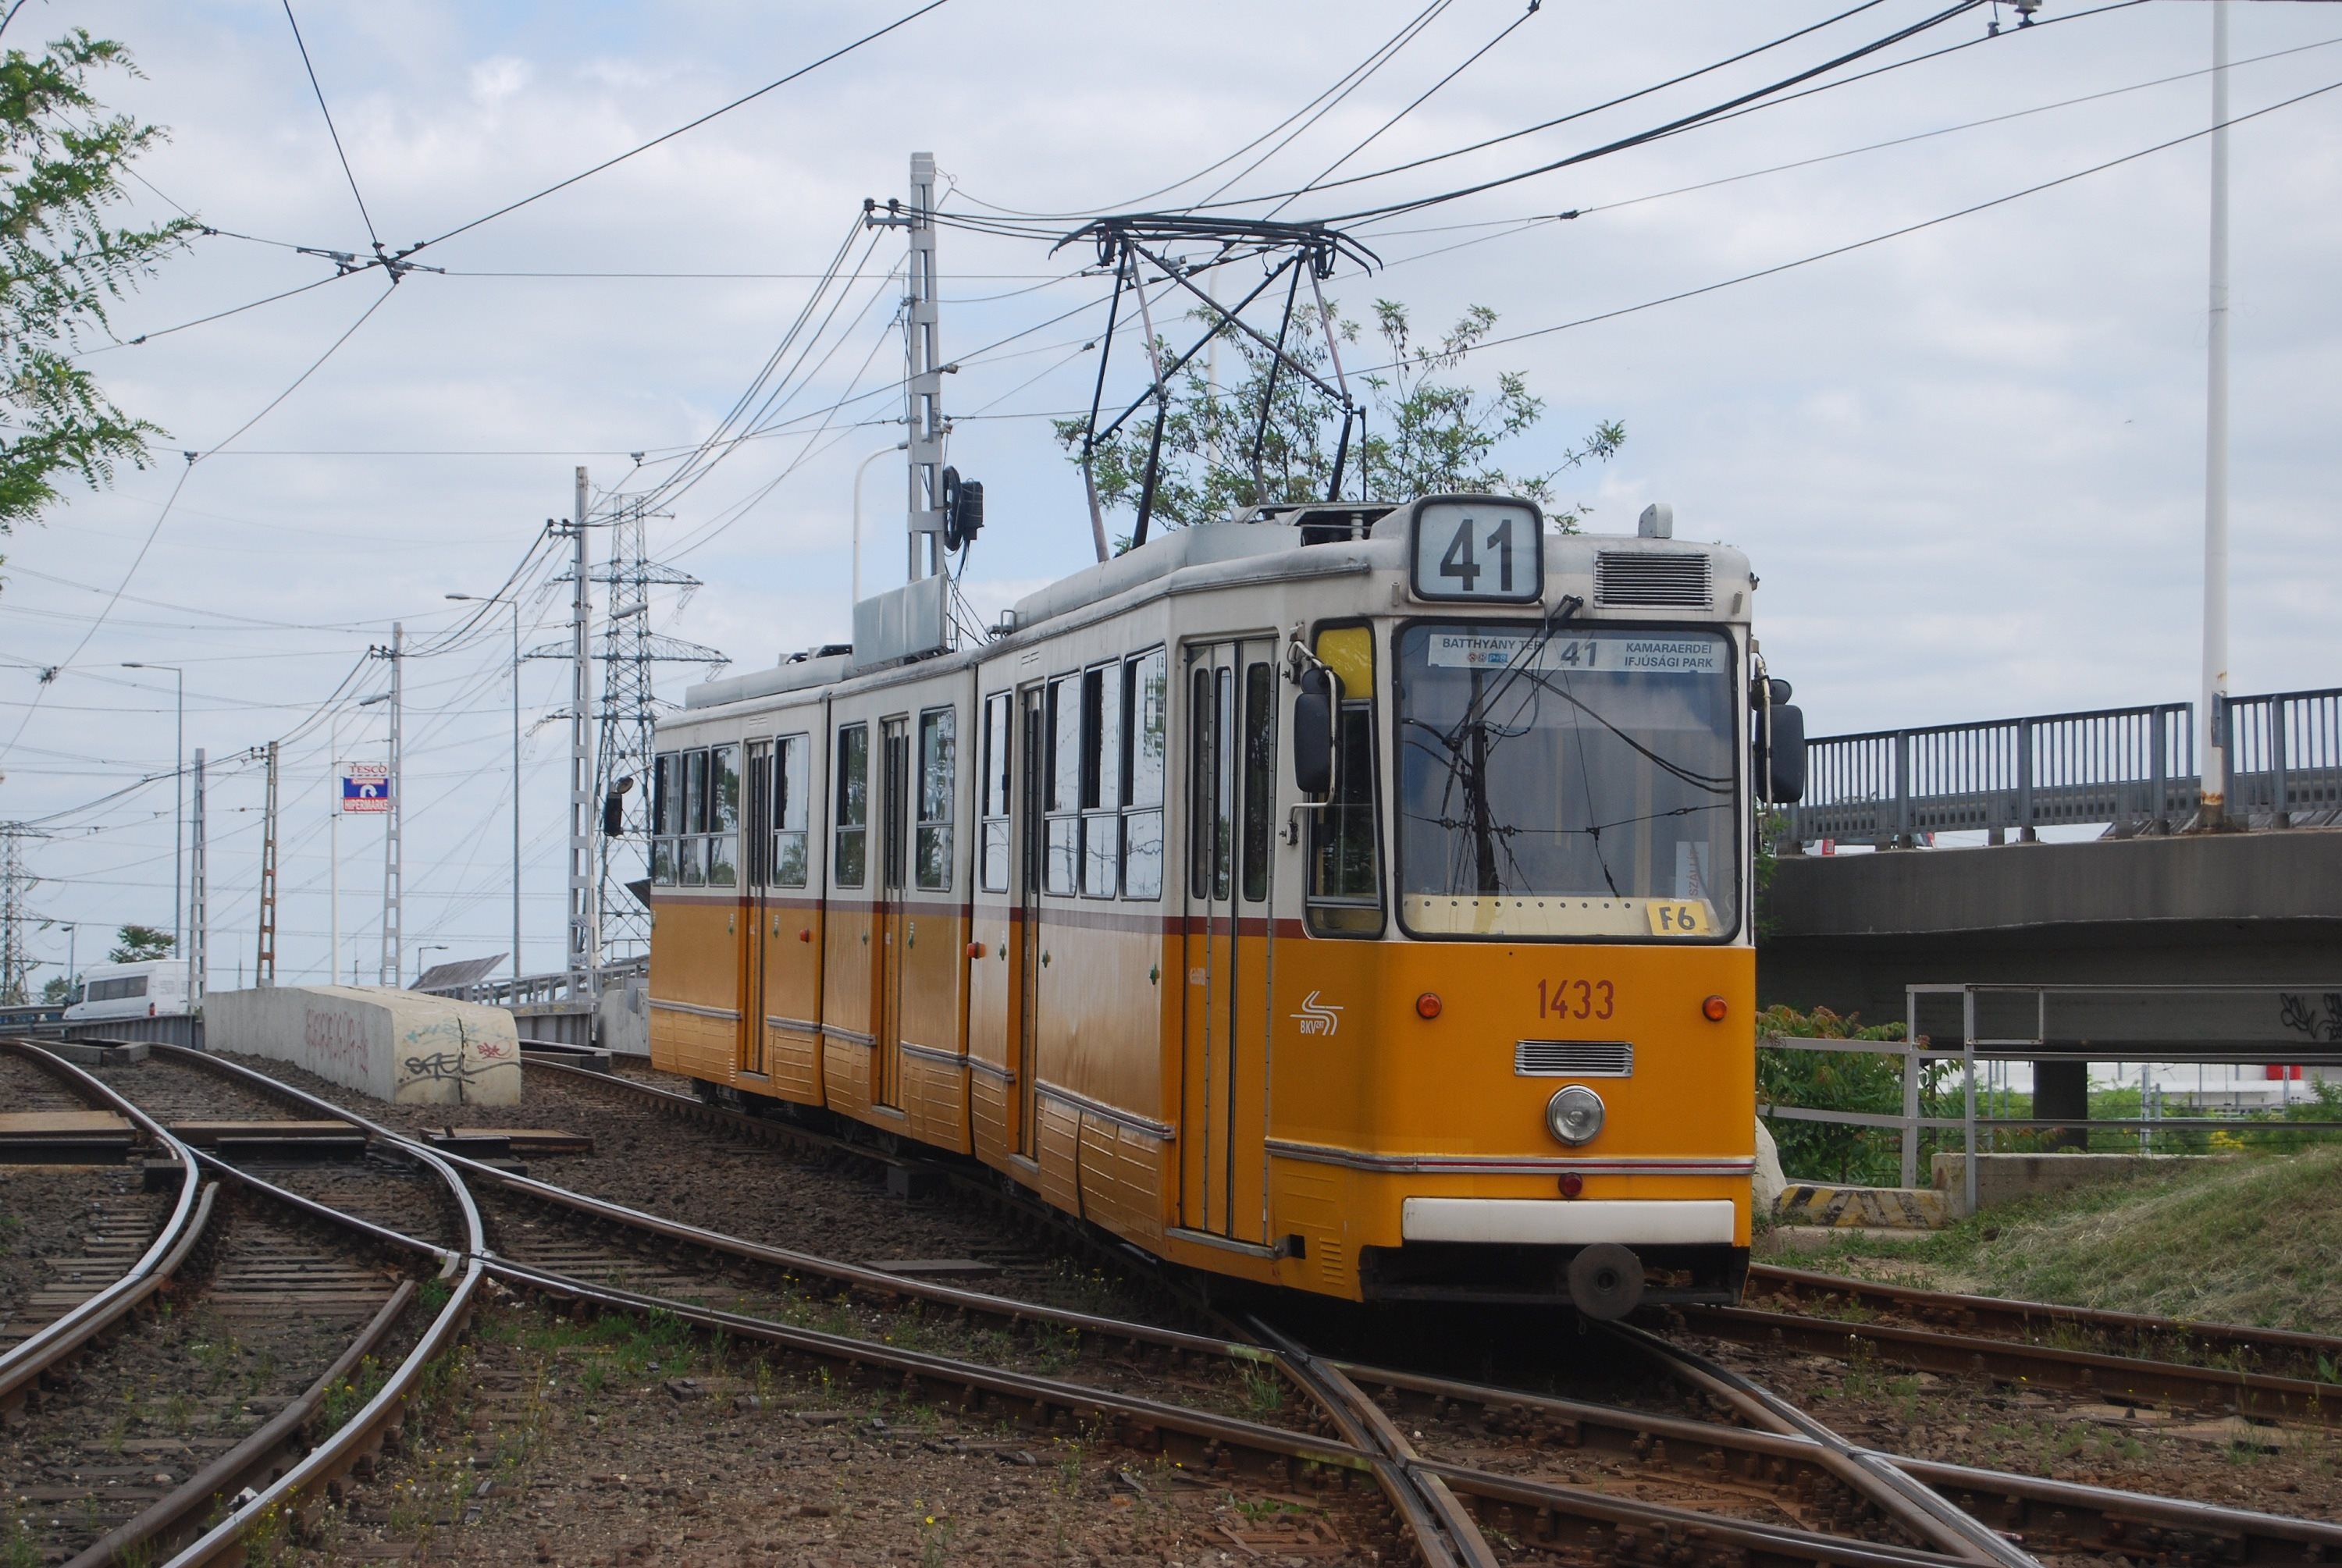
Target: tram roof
(1351, 536)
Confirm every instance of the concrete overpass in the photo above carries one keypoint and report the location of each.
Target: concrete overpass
(1849, 931)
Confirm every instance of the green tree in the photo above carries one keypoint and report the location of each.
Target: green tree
(1424, 433)
(137, 944)
(63, 163)
(56, 991)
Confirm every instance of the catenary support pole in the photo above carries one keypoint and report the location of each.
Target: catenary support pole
(924, 385)
(515, 788)
(583, 955)
(2214, 743)
(392, 871)
(264, 957)
(197, 914)
(334, 854)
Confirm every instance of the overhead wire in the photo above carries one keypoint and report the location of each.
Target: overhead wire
(1219, 164)
(1882, 238)
(331, 129)
(1574, 114)
(1672, 127)
(1390, 52)
(1419, 100)
(837, 53)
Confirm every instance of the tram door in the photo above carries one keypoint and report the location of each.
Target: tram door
(1230, 779)
(894, 858)
(1033, 752)
(757, 878)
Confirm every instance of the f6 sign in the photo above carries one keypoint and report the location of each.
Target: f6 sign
(1476, 549)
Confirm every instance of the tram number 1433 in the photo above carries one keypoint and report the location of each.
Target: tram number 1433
(1575, 998)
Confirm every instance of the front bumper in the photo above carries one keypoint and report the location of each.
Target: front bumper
(1641, 1223)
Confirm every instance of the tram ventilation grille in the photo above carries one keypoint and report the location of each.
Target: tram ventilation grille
(1635, 577)
(1574, 1059)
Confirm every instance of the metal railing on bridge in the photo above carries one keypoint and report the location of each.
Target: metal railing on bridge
(544, 990)
(2133, 767)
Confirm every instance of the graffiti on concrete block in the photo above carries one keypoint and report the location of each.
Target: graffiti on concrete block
(335, 1037)
(441, 1066)
(2302, 1015)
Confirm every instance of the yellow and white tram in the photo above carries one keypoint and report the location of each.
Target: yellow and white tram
(1349, 898)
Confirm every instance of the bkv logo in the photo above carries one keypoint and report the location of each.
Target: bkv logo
(1317, 1017)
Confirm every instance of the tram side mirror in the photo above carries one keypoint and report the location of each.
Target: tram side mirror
(1312, 732)
(1785, 753)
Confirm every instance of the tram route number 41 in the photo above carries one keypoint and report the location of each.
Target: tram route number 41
(1487, 552)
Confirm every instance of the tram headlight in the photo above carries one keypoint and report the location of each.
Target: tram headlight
(1574, 1114)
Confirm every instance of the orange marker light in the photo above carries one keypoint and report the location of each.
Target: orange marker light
(1572, 1183)
(805, 935)
(976, 950)
(1713, 1009)
(1428, 1004)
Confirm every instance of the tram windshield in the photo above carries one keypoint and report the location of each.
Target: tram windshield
(1567, 782)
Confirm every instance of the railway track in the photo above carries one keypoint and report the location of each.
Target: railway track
(1354, 1442)
(1764, 1466)
(287, 1353)
(2308, 1356)
(2130, 1379)
(1769, 1487)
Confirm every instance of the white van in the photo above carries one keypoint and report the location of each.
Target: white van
(155, 989)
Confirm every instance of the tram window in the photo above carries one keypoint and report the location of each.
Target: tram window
(1211, 832)
(1061, 864)
(665, 799)
(993, 873)
(791, 781)
(1101, 780)
(691, 863)
(1345, 854)
(938, 759)
(756, 837)
(723, 816)
(1259, 775)
(695, 792)
(1146, 706)
(853, 801)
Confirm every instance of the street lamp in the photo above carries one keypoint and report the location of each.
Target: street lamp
(178, 801)
(420, 949)
(72, 961)
(514, 604)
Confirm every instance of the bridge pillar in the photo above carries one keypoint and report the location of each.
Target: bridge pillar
(2061, 1089)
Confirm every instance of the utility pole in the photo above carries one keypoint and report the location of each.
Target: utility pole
(393, 889)
(15, 969)
(627, 722)
(924, 385)
(197, 915)
(264, 956)
(585, 955)
(2212, 725)
(334, 851)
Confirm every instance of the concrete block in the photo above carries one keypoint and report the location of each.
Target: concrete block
(396, 1046)
(622, 1021)
(2005, 1178)
(1893, 1208)
(100, 1053)
(1767, 1184)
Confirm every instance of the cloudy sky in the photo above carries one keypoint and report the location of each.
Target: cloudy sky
(1968, 461)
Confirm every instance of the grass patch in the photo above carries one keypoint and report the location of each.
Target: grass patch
(2253, 1238)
